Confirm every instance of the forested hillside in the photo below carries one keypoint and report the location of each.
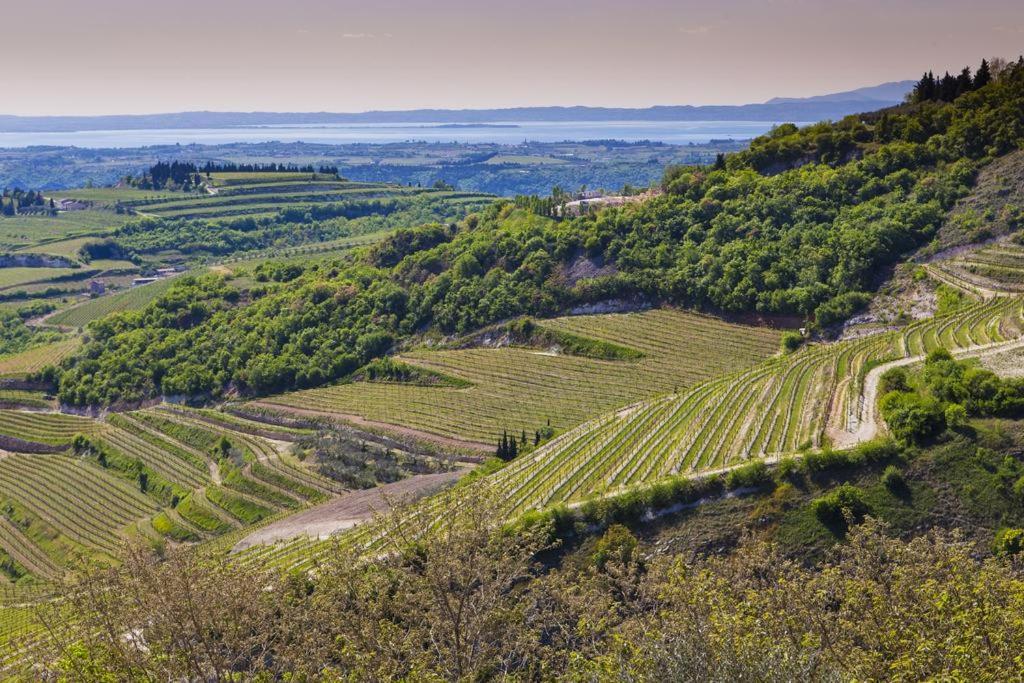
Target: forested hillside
(803, 222)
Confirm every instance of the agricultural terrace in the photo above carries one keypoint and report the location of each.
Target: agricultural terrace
(37, 358)
(16, 276)
(29, 232)
(155, 473)
(998, 268)
(128, 300)
(522, 388)
(259, 194)
(781, 405)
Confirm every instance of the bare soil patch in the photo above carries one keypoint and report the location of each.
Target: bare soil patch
(349, 509)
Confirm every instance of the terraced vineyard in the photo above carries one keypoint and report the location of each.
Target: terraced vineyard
(779, 406)
(128, 300)
(258, 194)
(521, 389)
(47, 428)
(989, 270)
(60, 506)
(35, 359)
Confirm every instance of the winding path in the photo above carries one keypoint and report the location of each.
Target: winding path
(870, 422)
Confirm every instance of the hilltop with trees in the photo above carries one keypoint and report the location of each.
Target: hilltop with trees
(802, 223)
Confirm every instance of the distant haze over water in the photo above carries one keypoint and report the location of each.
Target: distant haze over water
(671, 132)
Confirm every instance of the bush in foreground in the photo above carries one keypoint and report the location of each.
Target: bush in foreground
(468, 600)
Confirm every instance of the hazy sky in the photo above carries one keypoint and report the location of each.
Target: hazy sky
(138, 56)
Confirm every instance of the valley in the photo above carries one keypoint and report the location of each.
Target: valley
(224, 372)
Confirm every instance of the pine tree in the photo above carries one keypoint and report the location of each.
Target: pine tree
(983, 76)
(536, 437)
(513, 450)
(522, 439)
(964, 82)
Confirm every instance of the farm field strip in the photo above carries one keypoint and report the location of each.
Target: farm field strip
(36, 358)
(128, 300)
(680, 350)
(165, 463)
(26, 552)
(54, 488)
(998, 267)
(48, 428)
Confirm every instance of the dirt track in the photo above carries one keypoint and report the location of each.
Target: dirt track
(348, 509)
(869, 423)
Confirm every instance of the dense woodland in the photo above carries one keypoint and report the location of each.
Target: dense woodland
(803, 222)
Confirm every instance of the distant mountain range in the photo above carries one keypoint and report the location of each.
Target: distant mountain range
(817, 108)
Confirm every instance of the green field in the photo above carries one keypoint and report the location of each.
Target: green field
(35, 359)
(521, 389)
(17, 232)
(66, 248)
(128, 300)
(112, 195)
(17, 276)
(523, 160)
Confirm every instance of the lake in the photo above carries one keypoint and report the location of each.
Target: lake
(672, 132)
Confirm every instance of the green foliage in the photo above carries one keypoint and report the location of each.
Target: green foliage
(949, 299)
(238, 507)
(894, 379)
(618, 545)
(527, 332)
(893, 480)
(912, 418)
(801, 222)
(751, 474)
(840, 308)
(390, 370)
(165, 526)
(955, 416)
(200, 517)
(843, 503)
(791, 341)
(1008, 541)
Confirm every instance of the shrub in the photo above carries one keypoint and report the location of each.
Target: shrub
(1008, 541)
(842, 503)
(840, 308)
(754, 473)
(912, 418)
(791, 341)
(956, 416)
(789, 468)
(617, 544)
(893, 480)
(894, 379)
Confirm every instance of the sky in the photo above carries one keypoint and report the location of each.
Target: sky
(80, 57)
